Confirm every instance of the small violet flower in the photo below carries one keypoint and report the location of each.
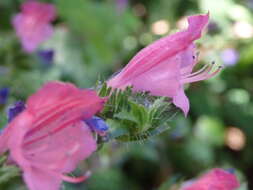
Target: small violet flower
(215, 179)
(46, 57)
(229, 56)
(97, 125)
(4, 94)
(49, 138)
(32, 25)
(14, 110)
(163, 67)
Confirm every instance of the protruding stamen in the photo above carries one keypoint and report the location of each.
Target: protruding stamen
(204, 75)
(197, 72)
(76, 179)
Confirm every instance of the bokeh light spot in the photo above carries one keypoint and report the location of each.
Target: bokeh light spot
(239, 96)
(160, 27)
(235, 138)
(130, 43)
(243, 29)
(182, 23)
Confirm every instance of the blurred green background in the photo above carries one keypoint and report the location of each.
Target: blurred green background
(95, 38)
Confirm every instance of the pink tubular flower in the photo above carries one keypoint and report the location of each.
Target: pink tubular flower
(49, 138)
(216, 179)
(32, 25)
(165, 66)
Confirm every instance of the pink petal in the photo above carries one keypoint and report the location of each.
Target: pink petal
(160, 51)
(63, 151)
(181, 101)
(215, 179)
(188, 60)
(49, 138)
(60, 94)
(32, 25)
(18, 128)
(66, 105)
(31, 31)
(43, 11)
(161, 80)
(4, 136)
(39, 179)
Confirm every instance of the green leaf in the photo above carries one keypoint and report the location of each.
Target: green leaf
(135, 116)
(8, 172)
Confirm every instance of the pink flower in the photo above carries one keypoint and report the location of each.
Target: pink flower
(216, 179)
(165, 66)
(32, 25)
(49, 138)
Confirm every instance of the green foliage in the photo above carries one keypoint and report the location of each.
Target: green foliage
(167, 185)
(135, 116)
(80, 16)
(7, 172)
(111, 179)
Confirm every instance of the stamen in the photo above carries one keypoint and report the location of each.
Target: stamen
(204, 71)
(203, 76)
(76, 179)
(195, 73)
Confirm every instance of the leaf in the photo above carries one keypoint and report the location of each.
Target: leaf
(170, 182)
(8, 172)
(135, 116)
(116, 129)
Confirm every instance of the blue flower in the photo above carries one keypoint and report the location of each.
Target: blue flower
(4, 94)
(46, 57)
(14, 110)
(97, 125)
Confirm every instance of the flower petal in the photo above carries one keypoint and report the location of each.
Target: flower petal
(162, 80)
(38, 179)
(160, 51)
(181, 101)
(43, 11)
(32, 25)
(64, 150)
(30, 31)
(215, 179)
(54, 95)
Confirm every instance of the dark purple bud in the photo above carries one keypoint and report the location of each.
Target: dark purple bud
(46, 57)
(97, 125)
(14, 110)
(4, 94)
(213, 27)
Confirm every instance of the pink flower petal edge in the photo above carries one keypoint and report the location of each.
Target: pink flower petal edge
(49, 138)
(32, 25)
(163, 67)
(216, 179)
